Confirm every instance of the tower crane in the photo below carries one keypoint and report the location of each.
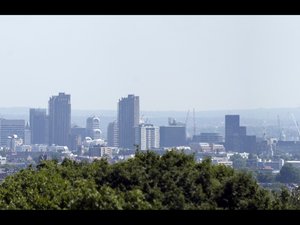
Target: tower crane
(296, 124)
(186, 121)
(187, 118)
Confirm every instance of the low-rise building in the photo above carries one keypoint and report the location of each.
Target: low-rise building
(221, 161)
(275, 165)
(2, 160)
(106, 152)
(294, 163)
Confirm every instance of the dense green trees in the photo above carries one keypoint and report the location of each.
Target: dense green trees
(265, 177)
(238, 162)
(289, 174)
(148, 181)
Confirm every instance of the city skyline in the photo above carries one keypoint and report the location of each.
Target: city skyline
(171, 62)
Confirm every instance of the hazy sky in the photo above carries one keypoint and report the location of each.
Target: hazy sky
(171, 62)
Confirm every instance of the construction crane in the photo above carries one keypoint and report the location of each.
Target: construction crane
(186, 124)
(187, 118)
(194, 123)
(296, 124)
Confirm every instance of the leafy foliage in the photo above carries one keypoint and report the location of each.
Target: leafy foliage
(148, 181)
(289, 174)
(238, 162)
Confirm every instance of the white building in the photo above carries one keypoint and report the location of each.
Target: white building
(218, 148)
(93, 127)
(23, 148)
(2, 160)
(58, 148)
(294, 163)
(106, 152)
(205, 147)
(13, 141)
(243, 154)
(147, 136)
(39, 148)
(221, 161)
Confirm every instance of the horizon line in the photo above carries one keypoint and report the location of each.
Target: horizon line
(163, 110)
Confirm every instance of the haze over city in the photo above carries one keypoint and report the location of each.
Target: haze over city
(171, 62)
(149, 112)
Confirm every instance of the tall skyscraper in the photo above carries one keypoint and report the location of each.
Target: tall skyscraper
(60, 119)
(232, 132)
(128, 119)
(112, 134)
(93, 127)
(38, 126)
(236, 138)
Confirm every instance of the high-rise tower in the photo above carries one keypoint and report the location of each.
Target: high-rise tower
(128, 119)
(232, 132)
(236, 138)
(112, 134)
(38, 126)
(60, 119)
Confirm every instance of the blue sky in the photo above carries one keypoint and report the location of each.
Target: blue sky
(171, 62)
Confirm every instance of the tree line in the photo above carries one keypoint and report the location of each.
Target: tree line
(147, 181)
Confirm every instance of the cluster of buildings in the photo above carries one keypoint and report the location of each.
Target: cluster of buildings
(51, 131)
(129, 132)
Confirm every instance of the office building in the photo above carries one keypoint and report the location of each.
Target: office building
(232, 132)
(38, 126)
(9, 128)
(248, 143)
(128, 119)
(172, 135)
(60, 119)
(147, 137)
(93, 127)
(112, 134)
(236, 138)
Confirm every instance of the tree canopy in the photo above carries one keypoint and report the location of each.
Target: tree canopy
(147, 181)
(289, 174)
